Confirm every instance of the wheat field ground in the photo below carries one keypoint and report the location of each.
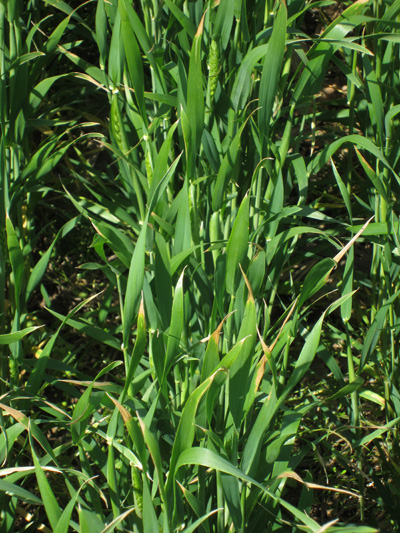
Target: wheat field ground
(199, 266)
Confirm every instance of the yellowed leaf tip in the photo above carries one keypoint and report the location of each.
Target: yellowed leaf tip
(141, 307)
(283, 325)
(126, 416)
(217, 332)
(265, 348)
(18, 415)
(344, 250)
(201, 26)
(260, 371)
(251, 297)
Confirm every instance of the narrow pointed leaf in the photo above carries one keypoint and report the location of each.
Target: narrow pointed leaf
(237, 246)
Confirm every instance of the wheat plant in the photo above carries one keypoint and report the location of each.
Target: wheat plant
(199, 265)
